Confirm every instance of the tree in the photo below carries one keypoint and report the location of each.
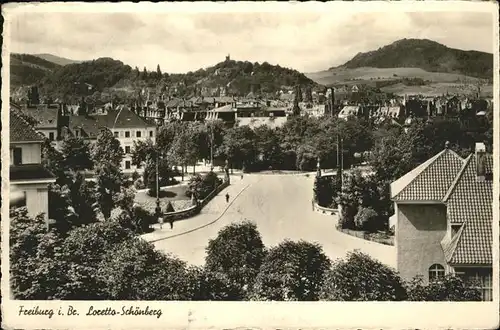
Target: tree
(53, 161)
(268, 146)
(83, 200)
(107, 149)
(309, 97)
(358, 191)
(215, 286)
(237, 252)
(76, 154)
(450, 288)
(158, 72)
(34, 271)
(184, 149)
(291, 271)
(361, 278)
(134, 270)
(60, 208)
(239, 146)
(107, 154)
(80, 281)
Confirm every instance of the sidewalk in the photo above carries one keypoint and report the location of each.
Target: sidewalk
(208, 215)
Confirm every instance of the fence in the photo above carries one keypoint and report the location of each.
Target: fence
(195, 209)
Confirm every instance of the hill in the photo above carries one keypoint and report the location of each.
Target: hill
(56, 59)
(109, 77)
(27, 69)
(427, 55)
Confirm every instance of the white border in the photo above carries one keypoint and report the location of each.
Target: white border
(258, 314)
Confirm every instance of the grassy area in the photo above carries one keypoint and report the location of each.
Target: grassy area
(176, 195)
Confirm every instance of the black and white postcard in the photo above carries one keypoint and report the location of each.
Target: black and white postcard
(250, 165)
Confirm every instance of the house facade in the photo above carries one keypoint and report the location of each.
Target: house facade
(125, 125)
(444, 218)
(27, 175)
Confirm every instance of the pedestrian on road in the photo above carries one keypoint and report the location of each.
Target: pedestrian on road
(171, 221)
(227, 198)
(160, 221)
(241, 176)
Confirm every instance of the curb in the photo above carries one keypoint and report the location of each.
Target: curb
(207, 224)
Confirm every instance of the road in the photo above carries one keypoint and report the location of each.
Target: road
(280, 205)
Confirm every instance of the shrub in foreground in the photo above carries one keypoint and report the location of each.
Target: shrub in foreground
(361, 278)
(291, 271)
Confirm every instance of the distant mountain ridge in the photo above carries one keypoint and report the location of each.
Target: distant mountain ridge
(427, 55)
(56, 59)
(108, 77)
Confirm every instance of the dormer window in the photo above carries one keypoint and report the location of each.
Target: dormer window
(454, 230)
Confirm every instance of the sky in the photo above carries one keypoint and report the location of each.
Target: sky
(179, 42)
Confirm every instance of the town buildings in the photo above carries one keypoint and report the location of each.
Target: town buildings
(28, 177)
(126, 126)
(444, 218)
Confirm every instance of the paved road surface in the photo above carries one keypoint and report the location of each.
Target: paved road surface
(280, 205)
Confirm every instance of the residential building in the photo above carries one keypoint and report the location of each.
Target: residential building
(27, 175)
(126, 126)
(444, 218)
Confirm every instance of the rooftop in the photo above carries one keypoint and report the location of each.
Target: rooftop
(447, 178)
(20, 130)
(29, 172)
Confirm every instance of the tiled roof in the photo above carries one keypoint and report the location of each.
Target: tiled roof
(469, 198)
(29, 172)
(117, 119)
(433, 182)
(20, 130)
(45, 116)
(475, 245)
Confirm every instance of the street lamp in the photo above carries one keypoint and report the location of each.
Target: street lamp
(158, 209)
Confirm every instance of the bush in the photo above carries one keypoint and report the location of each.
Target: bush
(139, 184)
(366, 219)
(207, 285)
(237, 252)
(134, 270)
(450, 288)
(291, 271)
(135, 176)
(361, 278)
(325, 190)
(201, 187)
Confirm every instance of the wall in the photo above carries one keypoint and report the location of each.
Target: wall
(37, 198)
(324, 210)
(194, 210)
(419, 231)
(31, 152)
(130, 142)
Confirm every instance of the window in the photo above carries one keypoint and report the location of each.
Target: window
(138, 134)
(51, 136)
(77, 132)
(454, 230)
(18, 156)
(127, 164)
(116, 134)
(480, 279)
(127, 149)
(17, 199)
(436, 272)
(127, 134)
(150, 133)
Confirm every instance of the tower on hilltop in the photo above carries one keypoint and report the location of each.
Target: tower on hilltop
(228, 58)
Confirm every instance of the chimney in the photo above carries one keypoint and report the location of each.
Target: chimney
(480, 161)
